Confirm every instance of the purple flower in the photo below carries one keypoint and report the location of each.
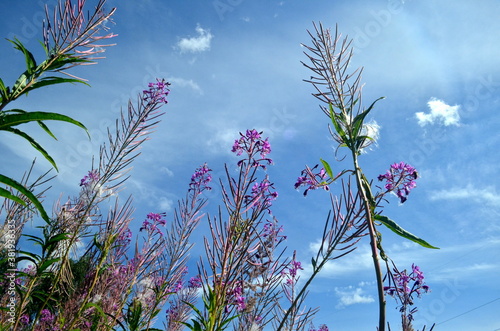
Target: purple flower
(125, 237)
(271, 230)
(194, 282)
(91, 177)
(25, 319)
(178, 286)
(400, 178)
(262, 196)
(157, 92)
(406, 285)
(200, 179)
(46, 316)
(152, 221)
(291, 272)
(312, 180)
(252, 144)
(240, 303)
(235, 296)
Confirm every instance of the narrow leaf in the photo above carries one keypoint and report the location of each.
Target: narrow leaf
(35, 145)
(30, 59)
(4, 92)
(42, 125)
(327, 167)
(7, 194)
(16, 119)
(18, 186)
(402, 232)
(52, 81)
(47, 264)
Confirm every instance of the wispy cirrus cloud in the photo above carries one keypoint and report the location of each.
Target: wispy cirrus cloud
(440, 113)
(197, 44)
(186, 83)
(487, 195)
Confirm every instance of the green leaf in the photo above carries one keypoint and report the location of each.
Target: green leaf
(57, 238)
(46, 264)
(34, 239)
(368, 190)
(42, 125)
(10, 120)
(7, 194)
(29, 58)
(52, 81)
(402, 232)
(337, 126)
(4, 92)
(34, 200)
(357, 122)
(18, 86)
(32, 257)
(327, 167)
(35, 145)
(54, 64)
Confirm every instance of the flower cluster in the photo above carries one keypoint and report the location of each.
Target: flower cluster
(157, 92)
(89, 179)
(322, 327)
(194, 282)
(238, 299)
(200, 179)
(312, 180)
(46, 316)
(405, 286)
(152, 221)
(262, 196)
(252, 144)
(291, 272)
(272, 231)
(400, 178)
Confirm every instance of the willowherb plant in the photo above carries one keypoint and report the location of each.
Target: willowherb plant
(340, 92)
(85, 290)
(242, 271)
(66, 34)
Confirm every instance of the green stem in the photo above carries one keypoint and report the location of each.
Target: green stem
(373, 243)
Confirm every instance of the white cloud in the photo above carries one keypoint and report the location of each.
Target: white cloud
(165, 204)
(196, 44)
(440, 112)
(186, 83)
(487, 195)
(357, 261)
(223, 139)
(351, 295)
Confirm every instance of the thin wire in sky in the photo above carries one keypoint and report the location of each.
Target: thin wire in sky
(468, 311)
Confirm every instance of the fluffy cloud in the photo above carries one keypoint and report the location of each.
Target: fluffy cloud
(196, 44)
(351, 295)
(440, 112)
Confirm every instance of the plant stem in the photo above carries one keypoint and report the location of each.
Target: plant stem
(373, 242)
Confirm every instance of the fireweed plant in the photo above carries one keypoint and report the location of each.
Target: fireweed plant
(340, 92)
(71, 37)
(90, 271)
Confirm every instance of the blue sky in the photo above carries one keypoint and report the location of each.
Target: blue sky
(235, 64)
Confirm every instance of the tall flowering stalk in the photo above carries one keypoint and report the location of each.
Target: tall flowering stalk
(340, 92)
(79, 220)
(241, 273)
(71, 37)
